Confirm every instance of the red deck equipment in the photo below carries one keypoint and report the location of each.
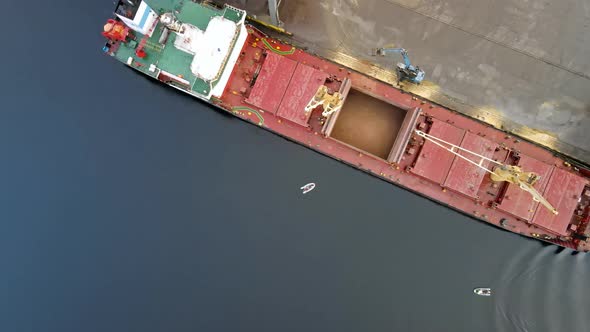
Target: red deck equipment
(115, 31)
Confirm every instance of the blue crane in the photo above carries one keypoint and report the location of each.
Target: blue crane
(406, 71)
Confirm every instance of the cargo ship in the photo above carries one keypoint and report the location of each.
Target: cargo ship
(217, 55)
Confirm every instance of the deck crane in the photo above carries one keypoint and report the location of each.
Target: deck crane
(501, 172)
(406, 71)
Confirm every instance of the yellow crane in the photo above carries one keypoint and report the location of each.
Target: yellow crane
(330, 102)
(500, 172)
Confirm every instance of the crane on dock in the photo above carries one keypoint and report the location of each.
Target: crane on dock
(406, 71)
(500, 172)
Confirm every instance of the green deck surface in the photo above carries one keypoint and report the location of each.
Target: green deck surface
(197, 15)
(167, 57)
(161, 6)
(176, 61)
(232, 15)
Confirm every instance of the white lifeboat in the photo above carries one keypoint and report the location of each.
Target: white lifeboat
(483, 291)
(308, 187)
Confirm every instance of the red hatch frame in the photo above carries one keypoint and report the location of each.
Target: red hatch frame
(272, 82)
(563, 191)
(520, 203)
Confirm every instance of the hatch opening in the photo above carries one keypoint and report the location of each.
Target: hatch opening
(372, 126)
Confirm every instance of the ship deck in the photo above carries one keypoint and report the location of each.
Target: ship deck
(370, 125)
(272, 82)
(165, 56)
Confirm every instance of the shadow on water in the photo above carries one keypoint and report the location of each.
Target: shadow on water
(558, 249)
(179, 94)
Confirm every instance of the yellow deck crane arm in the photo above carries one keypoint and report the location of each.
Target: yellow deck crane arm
(500, 172)
(330, 102)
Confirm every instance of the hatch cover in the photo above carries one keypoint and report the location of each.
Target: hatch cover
(465, 177)
(302, 87)
(520, 203)
(563, 192)
(434, 162)
(272, 82)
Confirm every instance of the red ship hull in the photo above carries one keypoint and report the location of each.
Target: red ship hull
(374, 131)
(218, 58)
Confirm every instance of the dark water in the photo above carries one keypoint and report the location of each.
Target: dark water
(127, 206)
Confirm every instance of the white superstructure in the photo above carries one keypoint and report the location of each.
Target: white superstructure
(215, 51)
(143, 20)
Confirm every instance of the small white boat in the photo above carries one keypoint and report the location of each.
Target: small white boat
(308, 187)
(483, 291)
